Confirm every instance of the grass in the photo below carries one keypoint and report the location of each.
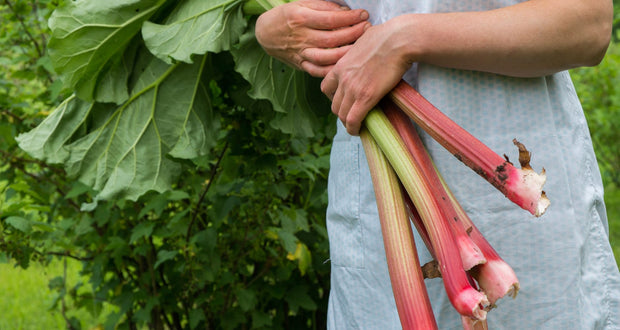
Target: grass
(26, 302)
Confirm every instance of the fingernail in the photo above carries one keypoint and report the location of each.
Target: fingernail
(344, 8)
(364, 15)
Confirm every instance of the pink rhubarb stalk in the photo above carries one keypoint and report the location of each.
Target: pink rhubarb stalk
(465, 299)
(412, 302)
(469, 323)
(522, 186)
(495, 277)
(470, 253)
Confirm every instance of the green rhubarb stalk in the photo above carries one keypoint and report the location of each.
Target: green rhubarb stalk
(522, 186)
(412, 302)
(469, 251)
(465, 299)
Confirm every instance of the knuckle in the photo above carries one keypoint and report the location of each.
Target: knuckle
(324, 87)
(363, 94)
(331, 41)
(295, 18)
(308, 54)
(335, 110)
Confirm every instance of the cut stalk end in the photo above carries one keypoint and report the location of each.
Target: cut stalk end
(525, 188)
(522, 186)
(497, 279)
(474, 299)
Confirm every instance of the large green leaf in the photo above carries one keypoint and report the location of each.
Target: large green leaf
(293, 93)
(87, 34)
(126, 150)
(196, 27)
(112, 82)
(48, 140)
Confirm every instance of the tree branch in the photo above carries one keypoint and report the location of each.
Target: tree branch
(40, 51)
(204, 193)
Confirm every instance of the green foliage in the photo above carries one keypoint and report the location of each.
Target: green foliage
(599, 91)
(88, 39)
(196, 27)
(188, 201)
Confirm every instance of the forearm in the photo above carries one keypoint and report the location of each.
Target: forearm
(533, 38)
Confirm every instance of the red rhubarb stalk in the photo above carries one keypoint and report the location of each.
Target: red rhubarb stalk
(522, 186)
(470, 253)
(495, 277)
(465, 299)
(412, 302)
(469, 323)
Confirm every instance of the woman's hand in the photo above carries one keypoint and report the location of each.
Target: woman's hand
(311, 35)
(366, 73)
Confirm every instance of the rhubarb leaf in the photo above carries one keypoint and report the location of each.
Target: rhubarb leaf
(47, 141)
(196, 27)
(88, 34)
(125, 151)
(290, 91)
(112, 85)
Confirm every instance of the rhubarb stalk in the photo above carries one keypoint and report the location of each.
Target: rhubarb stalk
(465, 299)
(497, 279)
(469, 251)
(412, 302)
(522, 186)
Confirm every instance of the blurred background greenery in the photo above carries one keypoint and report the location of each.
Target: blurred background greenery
(50, 293)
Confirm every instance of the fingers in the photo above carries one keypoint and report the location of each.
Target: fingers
(329, 85)
(315, 70)
(324, 56)
(355, 116)
(349, 103)
(336, 38)
(332, 20)
(319, 61)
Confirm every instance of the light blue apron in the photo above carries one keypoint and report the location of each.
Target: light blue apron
(568, 276)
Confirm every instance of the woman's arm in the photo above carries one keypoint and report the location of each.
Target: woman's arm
(532, 38)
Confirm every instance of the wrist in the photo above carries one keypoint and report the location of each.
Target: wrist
(407, 38)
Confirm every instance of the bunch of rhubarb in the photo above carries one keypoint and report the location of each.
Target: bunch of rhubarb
(473, 273)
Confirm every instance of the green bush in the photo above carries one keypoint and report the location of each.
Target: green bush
(238, 241)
